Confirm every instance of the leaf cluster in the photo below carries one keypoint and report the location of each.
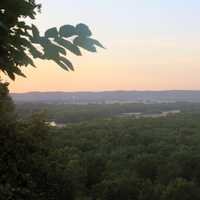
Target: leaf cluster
(21, 43)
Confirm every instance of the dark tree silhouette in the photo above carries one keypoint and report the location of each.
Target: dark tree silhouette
(20, 42)
(24, 144)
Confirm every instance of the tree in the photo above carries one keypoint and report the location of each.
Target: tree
(20, 42)
(23, 144)
(6, 103)
(181, 189)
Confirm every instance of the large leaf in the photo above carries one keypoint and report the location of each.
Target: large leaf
(28, 60)
(12, 70)
(83, 30)
(59, 49)
(35, 52)
(50, 52)
(32, 49)
(67, 31)
(44, 41)
(68, 45)
(61, 64)
(36, 33)
(51, 33)
(97, 43)
(19, 72)
(11, 75)
(23, 25)
(67, 62)
(85, 43)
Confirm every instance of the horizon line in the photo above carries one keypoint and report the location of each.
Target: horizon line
(100, 91)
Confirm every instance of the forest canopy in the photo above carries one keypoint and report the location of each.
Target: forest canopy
(119, 158)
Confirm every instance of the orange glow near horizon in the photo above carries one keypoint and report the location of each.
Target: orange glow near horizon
(98, 72)
(162, 65)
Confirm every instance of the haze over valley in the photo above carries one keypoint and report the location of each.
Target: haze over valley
(109, 97)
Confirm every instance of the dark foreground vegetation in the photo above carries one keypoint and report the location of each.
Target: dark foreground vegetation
(105, 159)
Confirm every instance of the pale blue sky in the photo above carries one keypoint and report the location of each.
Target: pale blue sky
(145, 17)
(151, 44)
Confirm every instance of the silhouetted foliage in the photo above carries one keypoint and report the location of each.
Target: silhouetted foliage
(20, 42)
(25, 147)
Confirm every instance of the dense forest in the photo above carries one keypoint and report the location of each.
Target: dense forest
(70, 113)
(115, 158)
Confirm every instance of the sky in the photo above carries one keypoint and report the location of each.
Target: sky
(150, 45)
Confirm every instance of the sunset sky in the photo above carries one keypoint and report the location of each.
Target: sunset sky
(151, 45)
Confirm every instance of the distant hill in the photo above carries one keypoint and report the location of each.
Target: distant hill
(108, 97)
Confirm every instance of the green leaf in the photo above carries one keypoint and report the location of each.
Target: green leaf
(35, 32)
(61, 64)
(23, 25)
(59, 49)
(35, 53)
(68, 45)
(67, 62)
(28, 60)
(83, 30)
(11, 75)
(50, 53)
(97, 43)
(85, 43)
(51, 33)
(32, 49)
(19, 72)
(67, 31)
(52, 50)
(44, 41)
